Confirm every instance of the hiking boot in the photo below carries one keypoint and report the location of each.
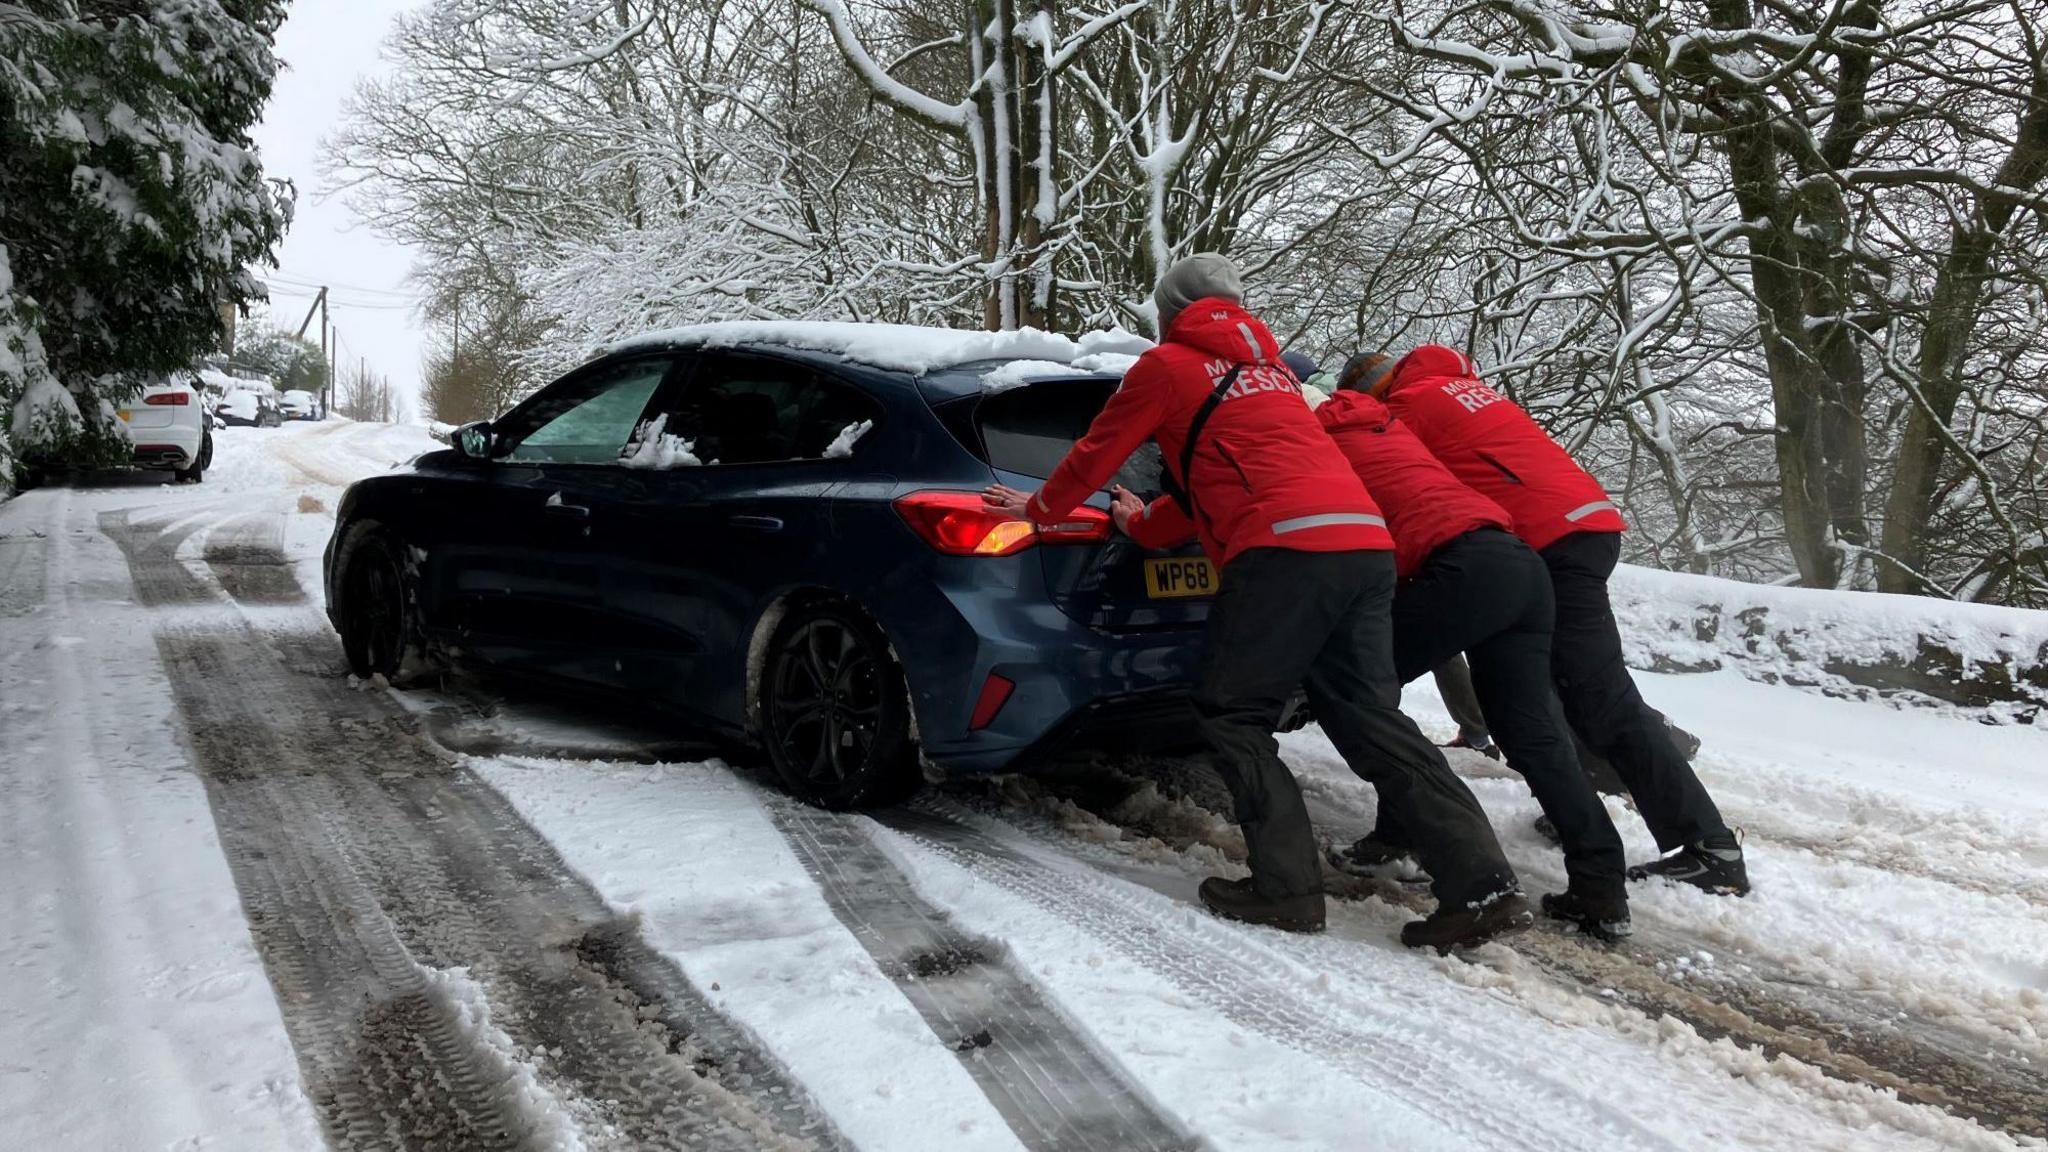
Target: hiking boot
(1601, 919)
(1714, 865)
(1483, 745)
(1238, 900)
(1469, 926)
(1547, 828)
(1373, 852)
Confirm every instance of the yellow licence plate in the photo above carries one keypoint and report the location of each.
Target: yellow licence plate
(124, 414)
(1179, 576)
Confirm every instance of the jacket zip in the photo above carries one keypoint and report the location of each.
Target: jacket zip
(1223, 450)
(1501, 468)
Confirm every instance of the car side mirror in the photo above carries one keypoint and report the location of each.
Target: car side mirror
(474, 440)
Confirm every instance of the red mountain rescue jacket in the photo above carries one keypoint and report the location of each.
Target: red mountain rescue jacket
(1263, 475)
(1495, 448)
(1426, 506)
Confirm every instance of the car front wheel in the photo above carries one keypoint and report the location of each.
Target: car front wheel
(835, 712)
(379, 615)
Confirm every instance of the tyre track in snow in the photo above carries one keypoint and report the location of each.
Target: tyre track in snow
(1457, 1082)
(369, 866)
(1846, 1036)
(1041, 1073)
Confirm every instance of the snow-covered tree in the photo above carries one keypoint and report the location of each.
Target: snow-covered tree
(131, 204)
(1773, 271)
(1832, 208)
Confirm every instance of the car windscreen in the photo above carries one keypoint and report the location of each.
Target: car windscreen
(1029, 428)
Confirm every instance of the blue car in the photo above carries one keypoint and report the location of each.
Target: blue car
(786, 547)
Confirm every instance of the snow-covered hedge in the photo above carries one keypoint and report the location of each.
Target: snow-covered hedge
(1977, 655)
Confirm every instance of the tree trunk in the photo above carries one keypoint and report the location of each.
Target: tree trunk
(1944, 347)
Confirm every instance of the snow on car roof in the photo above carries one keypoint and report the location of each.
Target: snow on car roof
(900, 347)
(227, 383)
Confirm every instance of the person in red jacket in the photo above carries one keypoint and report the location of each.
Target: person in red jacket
(1468, 585)
(1488, 442)
(1306, 581)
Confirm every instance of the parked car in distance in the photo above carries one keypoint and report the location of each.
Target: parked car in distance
(250, 408)
(169, 425)
(299, 404)
(780, 539)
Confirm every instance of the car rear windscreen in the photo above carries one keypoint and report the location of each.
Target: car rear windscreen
(1028, 430)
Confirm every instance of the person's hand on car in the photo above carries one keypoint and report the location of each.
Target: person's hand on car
(1003, 498)
(1124, 507)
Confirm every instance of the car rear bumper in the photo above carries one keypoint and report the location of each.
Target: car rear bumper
(165, 447)
(1074, 685)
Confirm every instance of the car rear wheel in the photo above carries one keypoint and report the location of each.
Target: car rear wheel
(835, 713)
(197, 472)
(379, 625)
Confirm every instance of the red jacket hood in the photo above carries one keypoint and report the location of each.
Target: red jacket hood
(1428, 361)
(1354, 410)
(1221, 327)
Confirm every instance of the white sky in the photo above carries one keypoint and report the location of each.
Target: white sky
(325, 46)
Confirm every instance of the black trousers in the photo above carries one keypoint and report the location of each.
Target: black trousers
(1601, 701)
(1454, 684)
(1321, 619)
(1486, 594)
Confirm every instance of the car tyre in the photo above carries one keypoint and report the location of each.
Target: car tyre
(379, 611)
(197, 472)
(835, 711)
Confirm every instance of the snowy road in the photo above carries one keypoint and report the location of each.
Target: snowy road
(253, 905)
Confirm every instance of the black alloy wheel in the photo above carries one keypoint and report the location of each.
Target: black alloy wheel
(835, 711)
(376, 611)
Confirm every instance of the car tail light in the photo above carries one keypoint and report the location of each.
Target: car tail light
(995, 692)
(959, 524)
(173, 399)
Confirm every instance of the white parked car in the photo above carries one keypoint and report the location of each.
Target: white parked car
(299, 404)
(169, 424)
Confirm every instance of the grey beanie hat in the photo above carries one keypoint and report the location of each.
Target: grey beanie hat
(1194, 278)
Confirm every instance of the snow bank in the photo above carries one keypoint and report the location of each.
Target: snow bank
(1971, 654)
(903, 347)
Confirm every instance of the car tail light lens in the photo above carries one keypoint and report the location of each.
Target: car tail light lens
(171, 399)
(959, 524)
(995, 692)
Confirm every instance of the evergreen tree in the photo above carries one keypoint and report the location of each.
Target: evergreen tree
(131, 202)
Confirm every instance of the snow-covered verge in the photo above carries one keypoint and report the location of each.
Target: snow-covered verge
(1969, 654)
(135, 1012)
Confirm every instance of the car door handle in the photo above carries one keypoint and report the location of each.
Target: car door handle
(758, 523)
(569, 511)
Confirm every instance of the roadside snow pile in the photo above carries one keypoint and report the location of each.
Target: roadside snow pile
(1977, 655)
(842, 444)
(659, 449)
(903, 347)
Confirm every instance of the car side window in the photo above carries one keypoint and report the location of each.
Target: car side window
(741, 409)
(586, 419)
